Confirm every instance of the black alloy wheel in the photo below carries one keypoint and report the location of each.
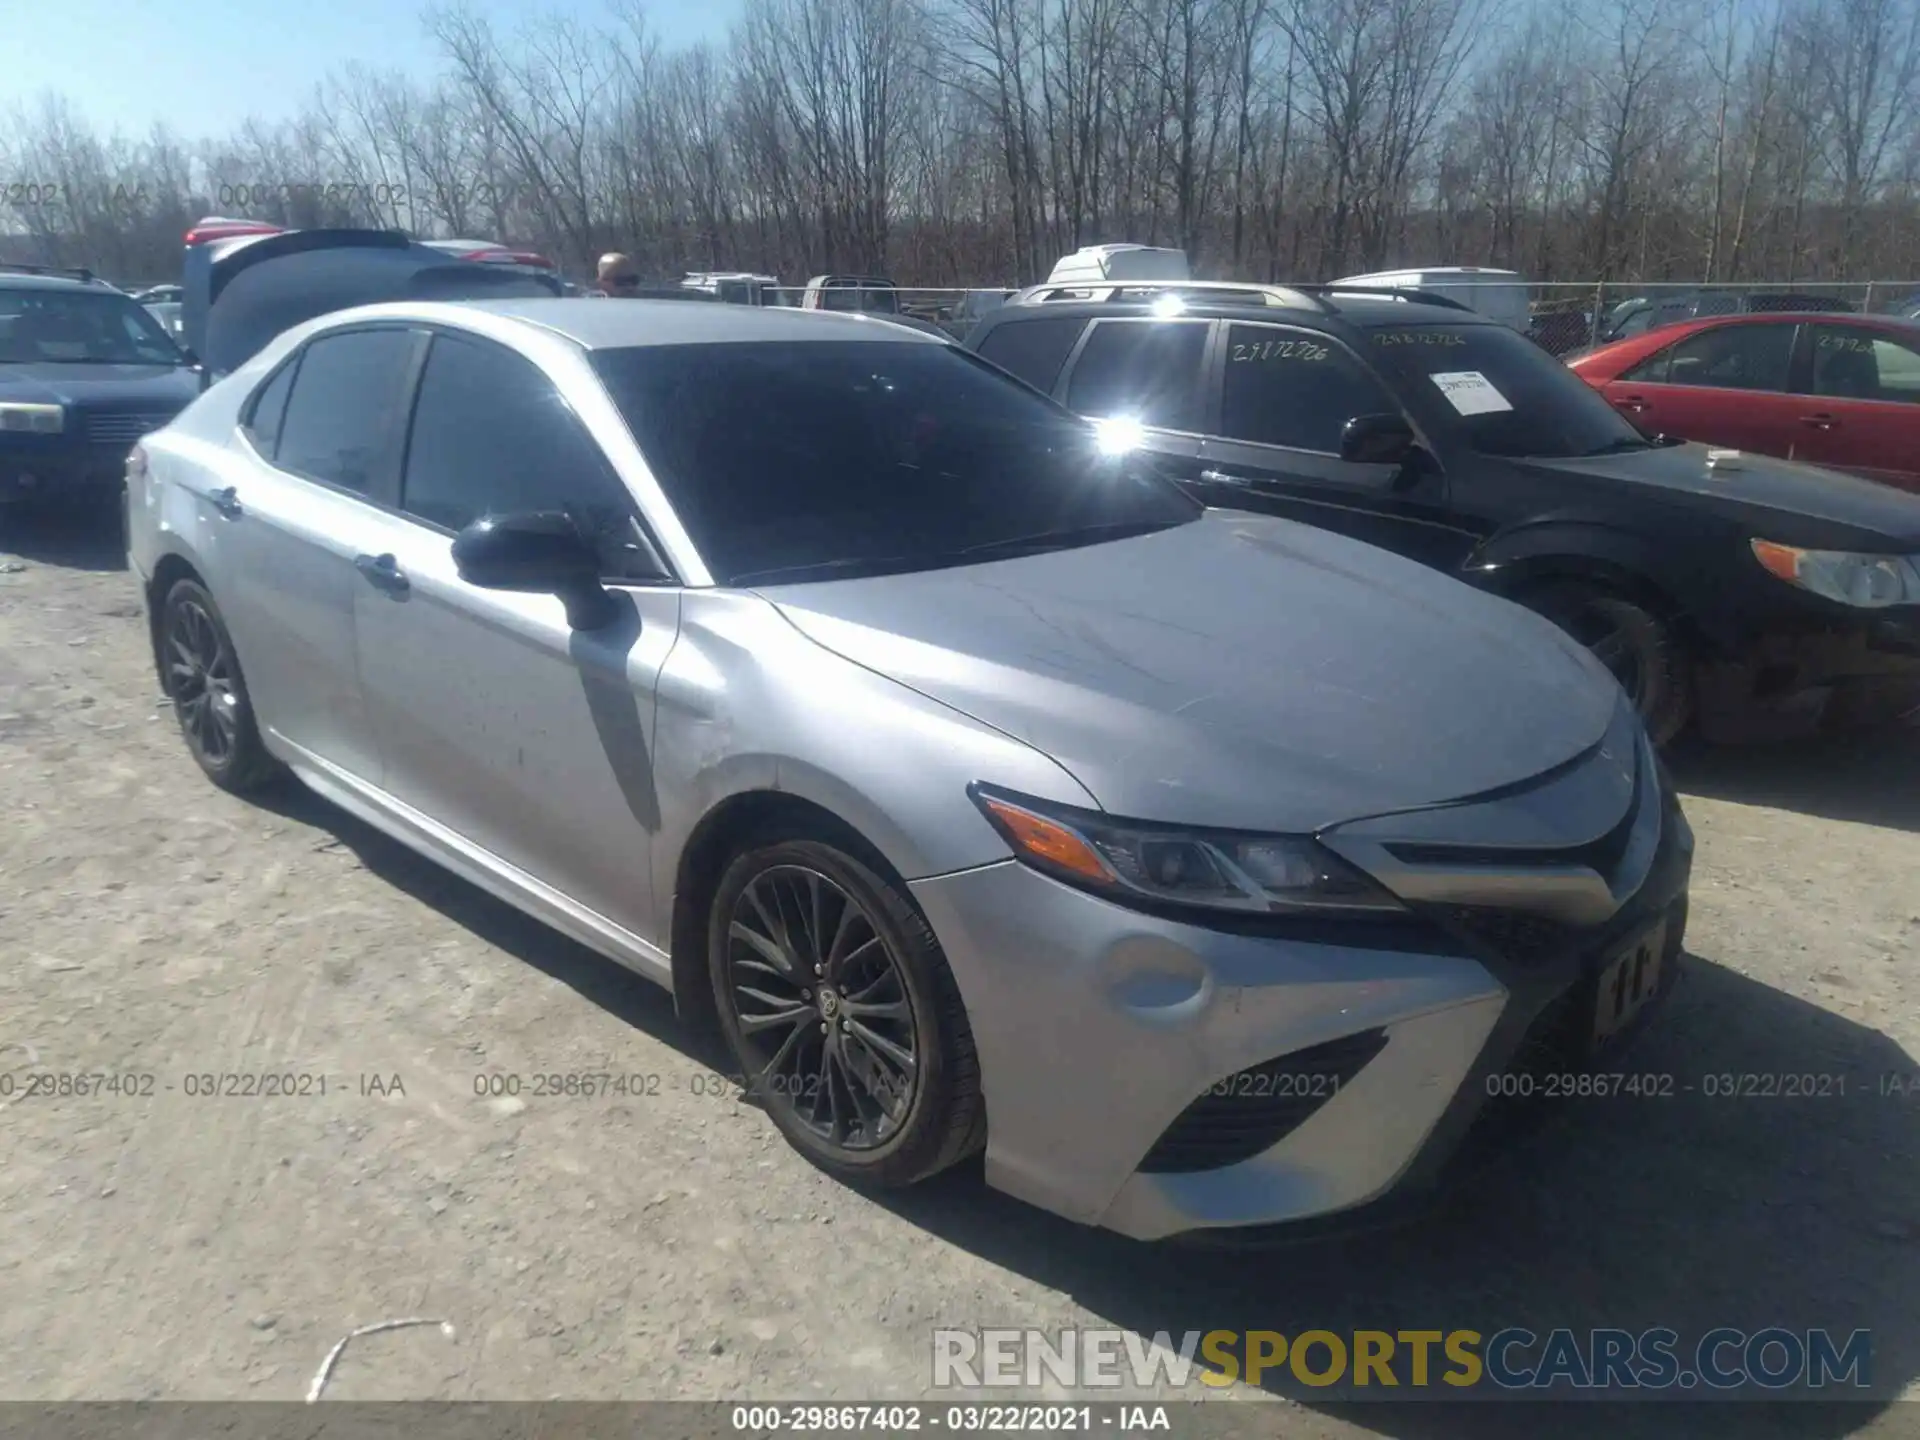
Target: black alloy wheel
(202, 676)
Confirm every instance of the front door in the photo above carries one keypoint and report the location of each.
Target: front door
(497, 721)
(1724, 386)
(1285, 397)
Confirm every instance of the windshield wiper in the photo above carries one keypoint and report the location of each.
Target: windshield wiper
(1058, 539)
(818, 568)
(1620, 446)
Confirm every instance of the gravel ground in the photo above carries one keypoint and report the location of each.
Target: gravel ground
(176, 1246)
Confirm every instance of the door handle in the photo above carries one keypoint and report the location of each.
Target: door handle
(227, 502)
(1822, 421)
(384, 572)
(1221, 477)
(1630, 402)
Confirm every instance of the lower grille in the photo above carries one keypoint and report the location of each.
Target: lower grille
(122, 429)
(1256, 1108)
(1512, 934)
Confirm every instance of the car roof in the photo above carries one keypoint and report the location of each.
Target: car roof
(628, 323)
(1367, 312)
(14, 281)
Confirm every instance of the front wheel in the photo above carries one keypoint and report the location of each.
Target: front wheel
(838, 1005)
(1639, 647)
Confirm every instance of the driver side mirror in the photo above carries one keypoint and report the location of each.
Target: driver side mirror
(539, 552)
(1377, 440)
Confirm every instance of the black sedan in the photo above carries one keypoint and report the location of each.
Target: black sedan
(1754, 597)
(85, 371)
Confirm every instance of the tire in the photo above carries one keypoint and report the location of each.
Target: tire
(886, 956)
(201, 673)
(1642, 650)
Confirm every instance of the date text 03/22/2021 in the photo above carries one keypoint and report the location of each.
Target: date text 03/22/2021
(988, 1419)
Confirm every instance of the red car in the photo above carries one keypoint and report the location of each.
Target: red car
(1841, 391)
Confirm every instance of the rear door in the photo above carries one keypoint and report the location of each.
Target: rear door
(1145, 372)
(497, 721)
(1285, 395)
(301, 501)
(1725, 385)
(1862, 409)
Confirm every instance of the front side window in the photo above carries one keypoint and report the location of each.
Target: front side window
(493, 436)
(343, 419)
(1294, 388)
(1498, 392)
(56, 326)
(1144, 370)
(1856, 364)
(1733, 357)
(794, 460)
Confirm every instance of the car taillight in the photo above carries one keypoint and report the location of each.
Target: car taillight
(137, 465)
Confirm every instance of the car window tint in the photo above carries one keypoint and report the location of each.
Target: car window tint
(1856, 364)
(493, 436)
(268, 408)
(1733, 357)
(1294, 388)
(782, 457)
(1034, 350)
(1142, 369)
(342, 419)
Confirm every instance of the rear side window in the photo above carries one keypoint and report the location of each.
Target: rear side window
(268, 408)
(1296, 388)
(1143, 369)
(1034, 350)
(1733, 357)
(493, 436)
(342, 423)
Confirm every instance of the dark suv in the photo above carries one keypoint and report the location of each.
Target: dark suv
(85, 371)
(1761, 597)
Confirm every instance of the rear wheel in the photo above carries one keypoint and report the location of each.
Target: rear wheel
(1637, 645)
(837, 1002)
(209, 694)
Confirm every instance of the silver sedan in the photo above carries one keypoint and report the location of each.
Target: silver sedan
(1206, 870)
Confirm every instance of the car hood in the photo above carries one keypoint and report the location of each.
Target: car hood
(1783, 493)
(87, 384)
(1239, 671)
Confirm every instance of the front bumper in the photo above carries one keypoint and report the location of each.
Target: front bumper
(28, 473)
(1797, 681)
(1104, 1035)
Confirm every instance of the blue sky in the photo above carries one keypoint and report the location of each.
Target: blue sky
(206, 65)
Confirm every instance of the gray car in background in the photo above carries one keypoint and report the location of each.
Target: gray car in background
(1207, 870)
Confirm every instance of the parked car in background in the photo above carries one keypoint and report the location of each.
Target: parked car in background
(168, 314)
(1836, 390)
(159, 295)
(1498, 294)
(736, 287)
(1571, 333)
(84, 372)
(1110, 264)
(866, 294)
(1761, 600)
(988, 791)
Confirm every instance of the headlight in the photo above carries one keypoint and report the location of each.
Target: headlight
(1869, 582)
(1132, 861)
(38, 419)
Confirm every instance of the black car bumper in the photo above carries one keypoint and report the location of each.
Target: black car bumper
(1794, 681)
(27, 474)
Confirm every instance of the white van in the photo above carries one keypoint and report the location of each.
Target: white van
(1103, 264)
(1498, 294)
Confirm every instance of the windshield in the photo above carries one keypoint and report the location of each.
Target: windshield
(795, 460)
(80, 327)
(1501, 393)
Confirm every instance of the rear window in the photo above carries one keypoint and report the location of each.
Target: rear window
(794, 460)
(1034, 350)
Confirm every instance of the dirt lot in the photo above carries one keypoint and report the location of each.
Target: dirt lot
(177, 1246)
